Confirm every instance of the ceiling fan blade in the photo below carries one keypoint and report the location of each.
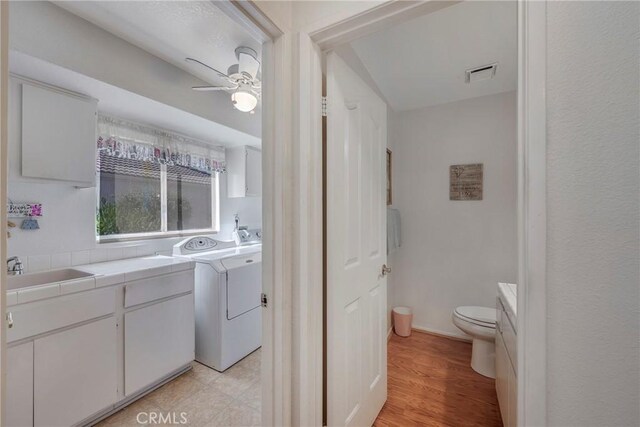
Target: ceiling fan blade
(210, 88)
(195, 61)
(248, 64)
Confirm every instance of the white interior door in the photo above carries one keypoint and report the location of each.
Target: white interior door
(356, 249)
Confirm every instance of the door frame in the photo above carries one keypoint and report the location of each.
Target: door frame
(277, 209)
(531, 172)
(4, 164)
(532, 213)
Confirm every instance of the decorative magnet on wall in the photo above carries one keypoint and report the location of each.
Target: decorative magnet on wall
(30, 224)
(21, 210)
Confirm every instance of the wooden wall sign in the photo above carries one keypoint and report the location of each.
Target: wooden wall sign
(465, 182)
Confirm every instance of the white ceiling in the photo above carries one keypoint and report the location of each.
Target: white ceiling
(172, 30)
(422, 62)
(118, 102)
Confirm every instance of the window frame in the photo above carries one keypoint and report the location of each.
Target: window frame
(164, 232)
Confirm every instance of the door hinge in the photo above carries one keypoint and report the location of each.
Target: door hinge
(324, 106)
(263, 299)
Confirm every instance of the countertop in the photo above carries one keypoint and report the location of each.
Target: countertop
(508, 293)
(103, 274)
(130, 269)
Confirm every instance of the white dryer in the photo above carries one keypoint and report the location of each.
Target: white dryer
(228, 287)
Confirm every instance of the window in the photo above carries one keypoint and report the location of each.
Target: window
(149, 191)
(130, 196)
(189, 199)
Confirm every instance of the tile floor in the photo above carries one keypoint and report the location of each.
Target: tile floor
(207, 397)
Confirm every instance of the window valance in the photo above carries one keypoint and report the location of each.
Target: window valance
(127, 140)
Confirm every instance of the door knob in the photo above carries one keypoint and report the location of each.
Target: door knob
(385, 270)
(9, 320)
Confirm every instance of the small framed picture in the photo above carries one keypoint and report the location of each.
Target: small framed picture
(389, 186)
(465, 182)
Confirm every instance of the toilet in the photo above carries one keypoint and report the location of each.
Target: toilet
(480, 324)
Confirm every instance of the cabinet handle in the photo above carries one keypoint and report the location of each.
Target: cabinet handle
(10, 320)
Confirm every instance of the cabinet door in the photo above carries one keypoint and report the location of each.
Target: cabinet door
(236, 159)
(503, 368)
(158, 339)
(75, 373)
(58, 135)
(254, 172)
(513, 398)
(19, 403)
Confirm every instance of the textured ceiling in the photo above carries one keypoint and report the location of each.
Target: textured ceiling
(171, 30)
(422, 62)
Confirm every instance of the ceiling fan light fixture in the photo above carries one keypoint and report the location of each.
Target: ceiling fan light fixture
(243, 100)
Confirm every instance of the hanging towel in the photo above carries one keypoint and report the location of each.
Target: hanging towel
(394, 239)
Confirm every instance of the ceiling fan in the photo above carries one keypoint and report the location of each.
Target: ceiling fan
(244, 83)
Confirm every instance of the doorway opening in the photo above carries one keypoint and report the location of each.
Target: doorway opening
(448, 217)
(135, 289)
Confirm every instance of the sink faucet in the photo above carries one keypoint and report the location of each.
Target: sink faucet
(17, 267)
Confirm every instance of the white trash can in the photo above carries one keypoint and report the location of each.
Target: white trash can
(402, 317)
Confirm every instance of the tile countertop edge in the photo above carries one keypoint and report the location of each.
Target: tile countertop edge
(508, 294)
(119, 271)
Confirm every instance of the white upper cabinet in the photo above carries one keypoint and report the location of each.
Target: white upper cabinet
(244, 172)
(58, 135)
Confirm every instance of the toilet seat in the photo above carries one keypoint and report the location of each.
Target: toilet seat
(481, 316)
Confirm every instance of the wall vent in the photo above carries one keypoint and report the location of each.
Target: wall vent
(478, 74)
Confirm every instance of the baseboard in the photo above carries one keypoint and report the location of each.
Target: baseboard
(126, 401)
(389, 332)
(441, 334)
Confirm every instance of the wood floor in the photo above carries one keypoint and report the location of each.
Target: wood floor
(431, 383)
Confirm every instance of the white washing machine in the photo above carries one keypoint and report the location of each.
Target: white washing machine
(228, 287)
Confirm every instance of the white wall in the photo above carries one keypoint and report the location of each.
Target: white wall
(312, 15)
(593, 290)
(454, 252)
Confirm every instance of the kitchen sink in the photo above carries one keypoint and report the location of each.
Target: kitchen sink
(44, 278)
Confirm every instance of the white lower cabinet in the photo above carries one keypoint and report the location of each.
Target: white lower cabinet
(76, 357)
(158, 339)
(75, 373)
(503, 367)
(19, 397)
(506, 377)
(513, 398)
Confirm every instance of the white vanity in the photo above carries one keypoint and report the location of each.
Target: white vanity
(85, 341)
(506, 353)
